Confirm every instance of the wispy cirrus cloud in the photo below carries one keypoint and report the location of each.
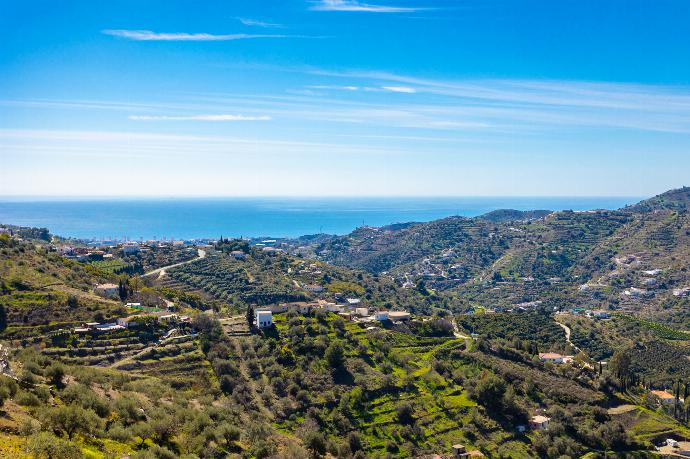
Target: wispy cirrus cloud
(356, 6)
(148, 35)
(199, 118)
(404, 89)
(256, 23)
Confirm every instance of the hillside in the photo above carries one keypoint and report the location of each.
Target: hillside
(502, 332)
(508, 215)
(632, 258)
(39, 287)
(678, 199)
(314, 385)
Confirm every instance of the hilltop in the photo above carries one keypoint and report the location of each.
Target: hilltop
(508, 215)
(678, 199)
(561, 258)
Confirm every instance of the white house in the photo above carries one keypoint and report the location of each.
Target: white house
(314, 288)
(381, 315)
(362, 312)
(109, 290)
(353, 301)
(238, 255)
(398, 316)
(600, 314)
(551, 357)
(129, 249)
(332, 307)
(264, 318)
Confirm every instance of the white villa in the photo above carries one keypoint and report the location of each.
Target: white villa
(264, 318)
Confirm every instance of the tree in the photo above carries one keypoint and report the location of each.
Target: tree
(355, 441)
(315, 442)
(122, 289)
(489, 391)
(620, 365)
(250, 316)
(73, 419)
(405, 414)
(335, 355)
(4, 395)
(45, 445)
(55, 373)
(228, 433)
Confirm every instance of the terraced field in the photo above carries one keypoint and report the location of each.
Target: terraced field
(232, 282)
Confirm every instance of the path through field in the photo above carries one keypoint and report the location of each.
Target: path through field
(161, 271)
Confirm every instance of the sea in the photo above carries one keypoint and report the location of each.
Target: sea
(198, 218)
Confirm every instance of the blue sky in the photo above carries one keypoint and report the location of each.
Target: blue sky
(346, 98)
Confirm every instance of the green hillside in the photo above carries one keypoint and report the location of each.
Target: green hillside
(492, 303)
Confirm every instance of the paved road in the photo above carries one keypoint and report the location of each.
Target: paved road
(161, 271)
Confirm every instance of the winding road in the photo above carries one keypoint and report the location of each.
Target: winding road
(161, 271)
(456, 331)
(567, 335)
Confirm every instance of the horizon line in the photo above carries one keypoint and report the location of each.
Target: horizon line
(406, 196)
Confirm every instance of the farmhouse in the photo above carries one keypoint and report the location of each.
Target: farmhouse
(238, 255)
(664, 397)
(107, 290)
(264, 318)
(129, 249)
(381, 315)
(399, 316)
(554, 357)
(600, 314)
(332, 307)
(135, 320)
(314, 288)
(362, 312)
(539, 422)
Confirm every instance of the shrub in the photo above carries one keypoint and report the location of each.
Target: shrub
(45, 445)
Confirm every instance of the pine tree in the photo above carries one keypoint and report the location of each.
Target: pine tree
(250, 316)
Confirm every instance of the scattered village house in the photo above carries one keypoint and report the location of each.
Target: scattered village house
(238, 255)
(314, 288)
(663, 397)
(399, 316)
(599, 314)
(136, 319)
(108, 290)
(539, 422)
(362, 312)
(554, 357)
(381, 315)
(264, 318)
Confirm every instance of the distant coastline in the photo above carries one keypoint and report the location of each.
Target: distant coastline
(191, 218)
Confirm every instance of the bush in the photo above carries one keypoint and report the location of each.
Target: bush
(405, 414)
(45, 445)
(335, 355)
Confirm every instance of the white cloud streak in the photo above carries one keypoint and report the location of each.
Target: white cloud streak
(148, 35)
(256, 23)
(355, 6)
(199, 118)
(404, 89)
